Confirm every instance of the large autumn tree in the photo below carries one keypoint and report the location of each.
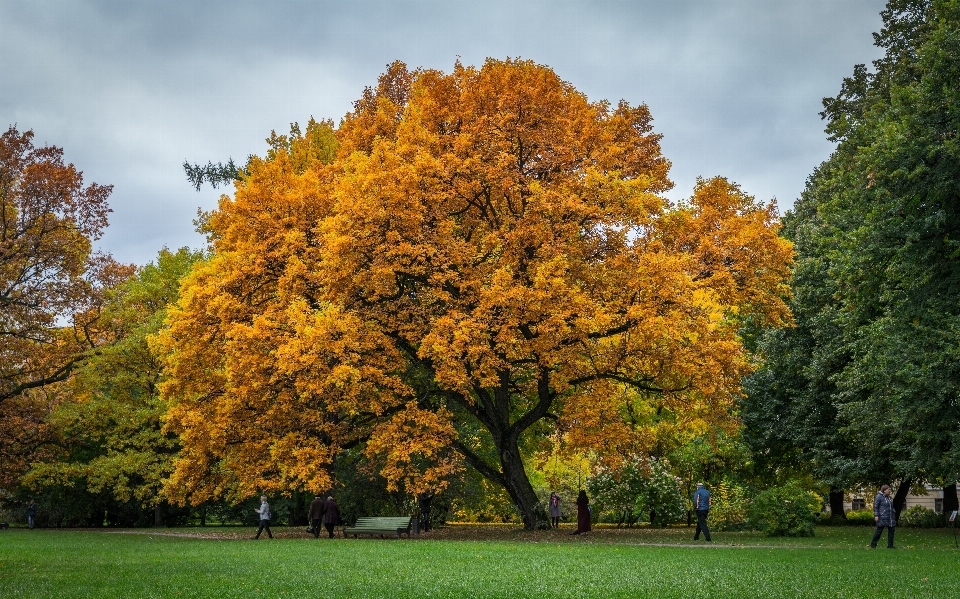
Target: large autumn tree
(48, 273)
(487, 257)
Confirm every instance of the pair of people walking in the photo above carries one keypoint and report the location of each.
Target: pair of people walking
(884, 514)
(323, 512)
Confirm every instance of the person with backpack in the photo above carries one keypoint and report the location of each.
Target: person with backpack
(583, 513)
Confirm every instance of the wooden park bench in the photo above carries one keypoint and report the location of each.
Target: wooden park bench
(379, 526)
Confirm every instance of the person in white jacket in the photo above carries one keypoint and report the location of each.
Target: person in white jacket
(264, 512)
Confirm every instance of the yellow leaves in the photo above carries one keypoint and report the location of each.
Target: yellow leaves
(332, 355)
(487, 239)
(735, 247)
(414, 447)
(299, 459)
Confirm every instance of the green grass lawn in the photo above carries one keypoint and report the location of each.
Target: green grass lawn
(510, 563)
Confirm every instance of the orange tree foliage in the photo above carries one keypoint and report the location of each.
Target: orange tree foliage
(487, 256)
(48, 273)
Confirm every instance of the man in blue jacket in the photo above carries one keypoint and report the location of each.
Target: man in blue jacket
(701, 505)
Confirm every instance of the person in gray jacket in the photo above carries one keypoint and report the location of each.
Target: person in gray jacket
(885, 516)
(264, 512)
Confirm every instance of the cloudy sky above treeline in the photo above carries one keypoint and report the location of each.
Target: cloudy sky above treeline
(130, 89)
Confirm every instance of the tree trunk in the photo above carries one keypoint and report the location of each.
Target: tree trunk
(158, 515)
(836, 503)
(492, 408)
(900, 499)
(950, 501)
(518, 486)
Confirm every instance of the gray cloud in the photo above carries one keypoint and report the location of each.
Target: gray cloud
(131, 89)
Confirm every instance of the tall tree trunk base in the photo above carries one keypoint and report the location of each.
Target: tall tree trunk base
(900, 499)
(836, 503)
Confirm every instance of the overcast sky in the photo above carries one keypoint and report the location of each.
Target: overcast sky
(132, 89)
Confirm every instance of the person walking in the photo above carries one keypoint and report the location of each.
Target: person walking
(264, 512)
(331, 515)
(426, 499)
(885, 516)
(554, 510)
(583, 513)
(315, 515)
(31, 513)
(701, 505)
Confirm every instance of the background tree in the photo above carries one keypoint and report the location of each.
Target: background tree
(51, 289)
(49, 278)
(487, 255)
(881, 302)
(107, 420)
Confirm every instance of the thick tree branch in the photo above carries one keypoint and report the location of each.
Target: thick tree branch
(479, 464)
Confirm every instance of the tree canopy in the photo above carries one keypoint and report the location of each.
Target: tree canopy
(106, 420)
(867, 385)
(471, 261)
(52, 286)
(49, 275)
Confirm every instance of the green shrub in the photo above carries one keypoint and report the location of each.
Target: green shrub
(787, 511)
(639, 490)
(661, 495)
(858, 518)
(861, 517)
(921, 517)
(729, 509)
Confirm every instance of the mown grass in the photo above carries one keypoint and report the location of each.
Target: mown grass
(72, 564)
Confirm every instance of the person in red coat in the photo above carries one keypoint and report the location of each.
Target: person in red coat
(583, 513)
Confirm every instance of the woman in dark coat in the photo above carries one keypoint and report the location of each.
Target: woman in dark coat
(885, 517)
(583, 513)
(331, 515)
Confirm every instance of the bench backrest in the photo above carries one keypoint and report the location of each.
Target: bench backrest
(383, 522)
